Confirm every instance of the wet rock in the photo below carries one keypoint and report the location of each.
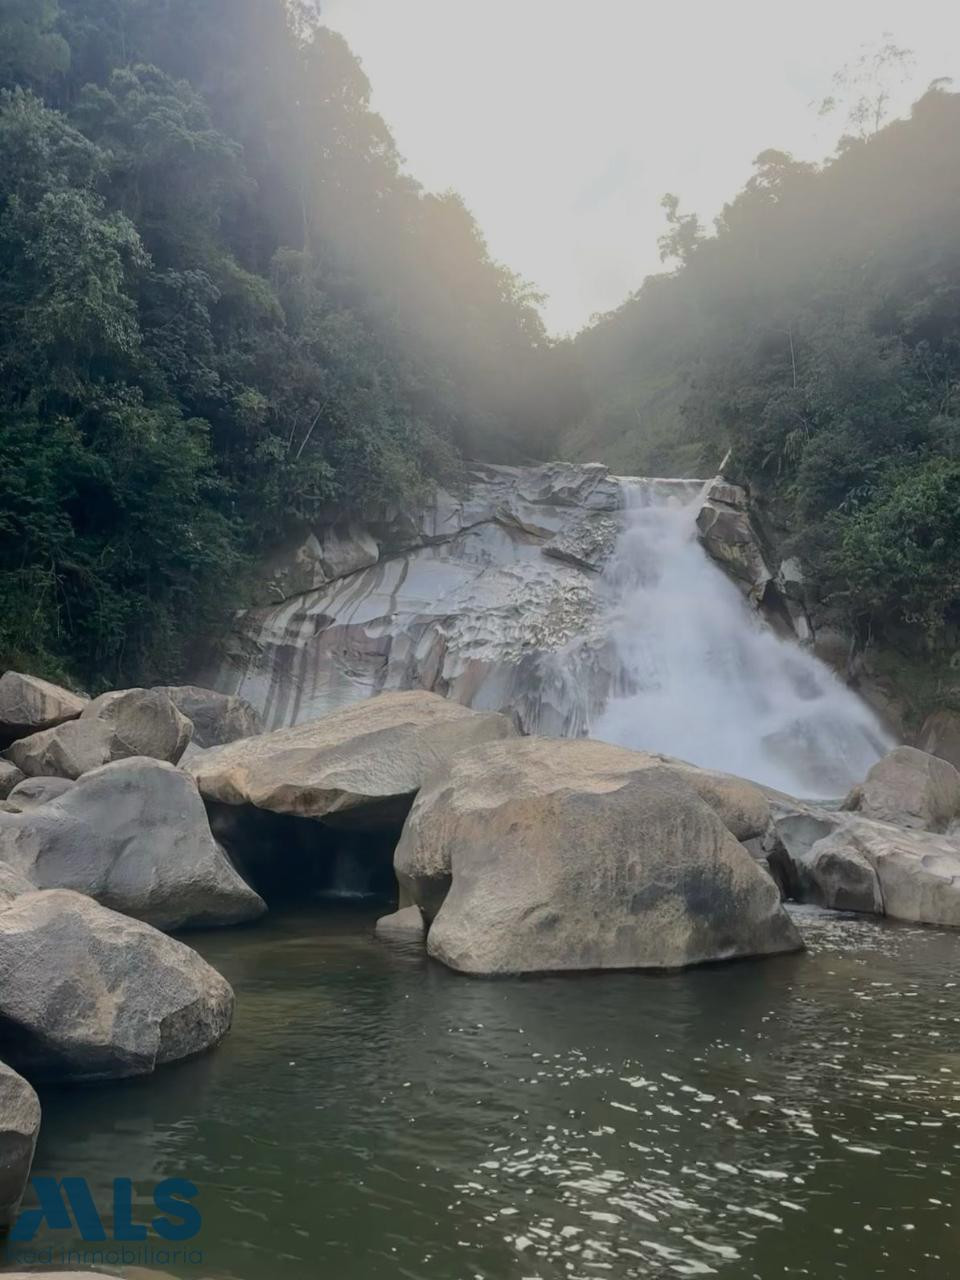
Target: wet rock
(405, 925)
(217, 718)
(462, 602)
(33, 792)
(10, 777)
(88, 994)
(540, 855)
(133, 835)
(19, 1127)
(728, 534)
(872, 866)
(28, 704)
(68, 751)
(145, 722)
(361, 765)
(909, 788)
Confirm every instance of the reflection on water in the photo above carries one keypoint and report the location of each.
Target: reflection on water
(373, 1115)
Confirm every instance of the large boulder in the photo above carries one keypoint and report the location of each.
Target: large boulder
(88, 994)
(34, 792)
(68, 751)
(133, 835)
(872, 866)
(28, 705)
(360, 766)
(543, 855)
(217, 718)
(10, 777)
(145, 722)
(405, 925)
(909, 788)
(19, 1126)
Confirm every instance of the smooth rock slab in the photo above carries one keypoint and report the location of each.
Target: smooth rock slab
(361, 765)
(28, 704)
(88, 994)
(567, 855)
(134, 835)
(19, 1127)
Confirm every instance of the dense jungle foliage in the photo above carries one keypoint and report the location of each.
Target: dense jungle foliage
(816, 334)
(223, 306)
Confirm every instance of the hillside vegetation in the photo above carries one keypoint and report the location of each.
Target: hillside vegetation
(816, 334)
(223, 307)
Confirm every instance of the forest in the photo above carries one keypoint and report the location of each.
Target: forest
(224, 306)
(227, 308)
(814, 334)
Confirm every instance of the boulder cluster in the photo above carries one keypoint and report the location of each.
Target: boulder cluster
(513, 855)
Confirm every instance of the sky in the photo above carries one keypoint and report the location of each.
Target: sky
(563, 122)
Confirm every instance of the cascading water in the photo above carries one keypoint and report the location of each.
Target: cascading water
(697, 674)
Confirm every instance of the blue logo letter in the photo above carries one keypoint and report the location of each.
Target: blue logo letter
(56, 1212)
(169, 1196)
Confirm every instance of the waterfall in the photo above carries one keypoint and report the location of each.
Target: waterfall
(697, 674)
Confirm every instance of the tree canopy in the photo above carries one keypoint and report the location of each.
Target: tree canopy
(224, 305)
(816, 335)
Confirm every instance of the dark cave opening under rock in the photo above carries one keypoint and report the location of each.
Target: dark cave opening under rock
(291, 859)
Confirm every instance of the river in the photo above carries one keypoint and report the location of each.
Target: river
(374, 1116)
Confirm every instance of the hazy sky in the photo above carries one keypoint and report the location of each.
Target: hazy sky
(563, 122)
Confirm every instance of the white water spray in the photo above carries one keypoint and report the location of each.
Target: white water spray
(698, 675)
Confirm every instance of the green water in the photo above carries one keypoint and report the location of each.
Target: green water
(375, 1116)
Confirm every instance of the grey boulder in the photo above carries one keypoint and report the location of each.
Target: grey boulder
(10, 777)
(13, 884)
(145, 722)
(940, 736)
(33, 792)
(28, 705)
(905, 874)
(19, 1126)
(88, 994)
(541, 855)
(909, 788)
(360, 766)
(405, 925)
(134, 835)
(68, 751)
(218, 718)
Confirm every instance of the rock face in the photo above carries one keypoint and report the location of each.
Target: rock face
(12, 884)
(537, 855)
(940, 736)
(731, 533)
(10, 777)
(28, 705)
(909, 788)
(472, 598)
(87, 994)
(145, 722)
(217, 718)
(133, 835)
(360, 765)
(33, 792)
(19, 1126)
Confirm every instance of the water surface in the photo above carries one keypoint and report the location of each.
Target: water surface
(375, 1116)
